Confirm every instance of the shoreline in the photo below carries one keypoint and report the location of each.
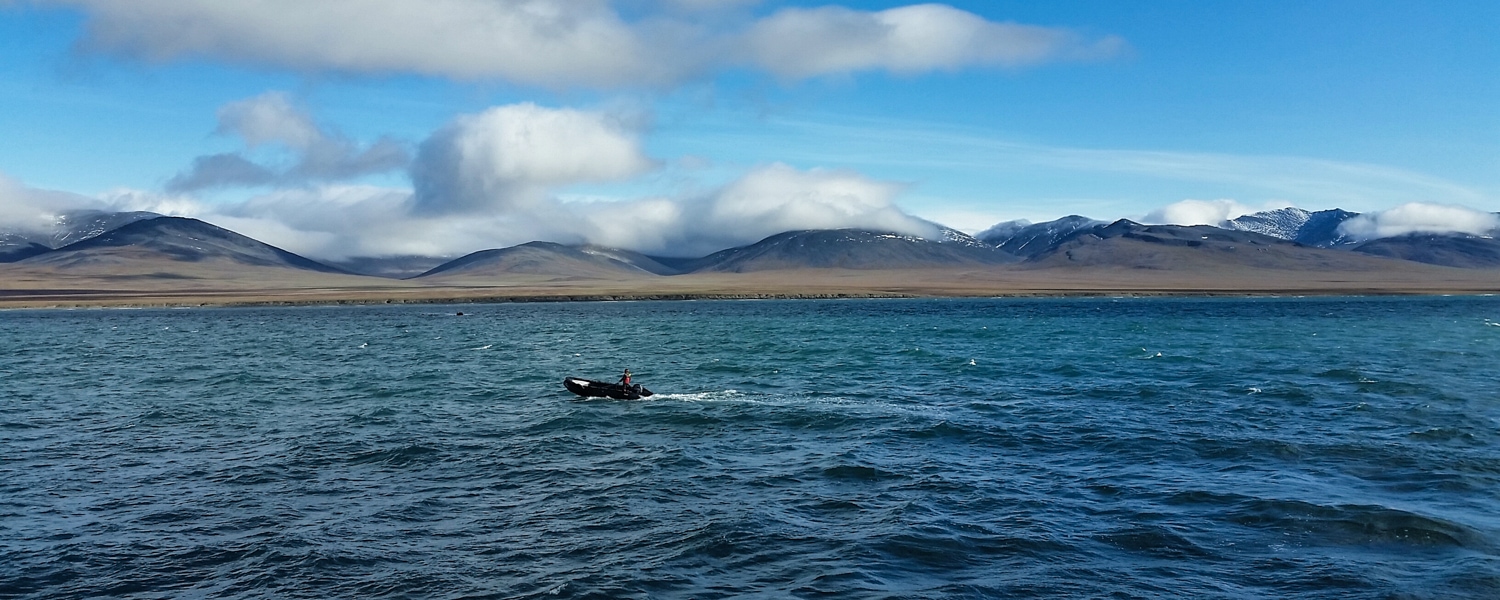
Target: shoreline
(183, 302)
(259, 288)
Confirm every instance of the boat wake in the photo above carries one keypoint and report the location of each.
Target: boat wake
(716, 396)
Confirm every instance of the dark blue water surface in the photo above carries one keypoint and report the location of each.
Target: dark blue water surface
(1128, 448)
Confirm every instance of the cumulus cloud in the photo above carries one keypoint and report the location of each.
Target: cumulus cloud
(317, 153)
(1202, 212)
(766, 201)
(541, 42)
(509, 157)
(798, 42)
(570, 43)
(1418, 217)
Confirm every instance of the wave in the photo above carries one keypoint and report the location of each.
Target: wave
(402, 456)
(1353, 524)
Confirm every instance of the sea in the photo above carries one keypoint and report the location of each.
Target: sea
(893, 448)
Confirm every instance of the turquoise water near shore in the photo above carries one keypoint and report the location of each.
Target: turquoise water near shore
(1132, 448)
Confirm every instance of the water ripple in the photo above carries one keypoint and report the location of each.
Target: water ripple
(851, 449)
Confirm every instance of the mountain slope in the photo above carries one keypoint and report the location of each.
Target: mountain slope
(1449, 250)
(847, 249)
(1002, 231)
(18, 250)
(76, 226)
(549, 259)
(1126, 244)
(162, 242)
(1034, 239)
(67, 228)
(1319, 228)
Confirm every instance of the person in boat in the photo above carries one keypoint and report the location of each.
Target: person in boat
(625, 379)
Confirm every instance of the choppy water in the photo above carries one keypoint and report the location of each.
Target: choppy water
(1310, 448)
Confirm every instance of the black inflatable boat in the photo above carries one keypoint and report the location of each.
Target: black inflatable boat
(599, 389)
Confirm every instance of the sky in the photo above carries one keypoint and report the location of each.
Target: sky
(389, 127)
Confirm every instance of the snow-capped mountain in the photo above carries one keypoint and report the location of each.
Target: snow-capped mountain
(80, 225)
(1001, 232)
(67, 228)
(1320, 228)
(1028, 240)
(953, 236)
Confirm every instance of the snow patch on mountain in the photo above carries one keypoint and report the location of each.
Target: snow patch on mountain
(1282, 223)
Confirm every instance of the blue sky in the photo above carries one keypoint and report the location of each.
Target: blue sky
(1114, 109)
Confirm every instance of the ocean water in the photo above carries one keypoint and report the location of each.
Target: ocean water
(1058, 448)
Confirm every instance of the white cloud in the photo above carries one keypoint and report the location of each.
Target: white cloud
(510, 157)
(708, 5)
(569, 43)
(334, 222)
(337, 221)
(315, 153)
(268, 118)
(1418, 217)
(779, 198)
(1202, 212)
(541, 42)
(797, 42)
(125, 199)
(36, 212)
(768, 200)
(30, 210)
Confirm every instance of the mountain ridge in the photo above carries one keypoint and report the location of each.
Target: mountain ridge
(548, 259)
(172, 239)
(835, 249)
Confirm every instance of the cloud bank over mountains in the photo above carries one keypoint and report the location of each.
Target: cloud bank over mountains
(576, 43)
(1417, 217)
(492, 179)
(1408, 218)
(1202, 212)
(484, 180)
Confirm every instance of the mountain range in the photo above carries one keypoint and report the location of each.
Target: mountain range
(145, 245)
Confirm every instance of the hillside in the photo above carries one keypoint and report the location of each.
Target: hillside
(846, 249)
(1449, 250)
(1129, 245)
(166, 244)
(550, 260)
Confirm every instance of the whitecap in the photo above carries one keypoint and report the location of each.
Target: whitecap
(484, 347)
(364, 345)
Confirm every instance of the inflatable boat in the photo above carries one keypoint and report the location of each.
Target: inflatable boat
(589, 388)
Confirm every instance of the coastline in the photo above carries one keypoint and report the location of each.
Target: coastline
(777, 285)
